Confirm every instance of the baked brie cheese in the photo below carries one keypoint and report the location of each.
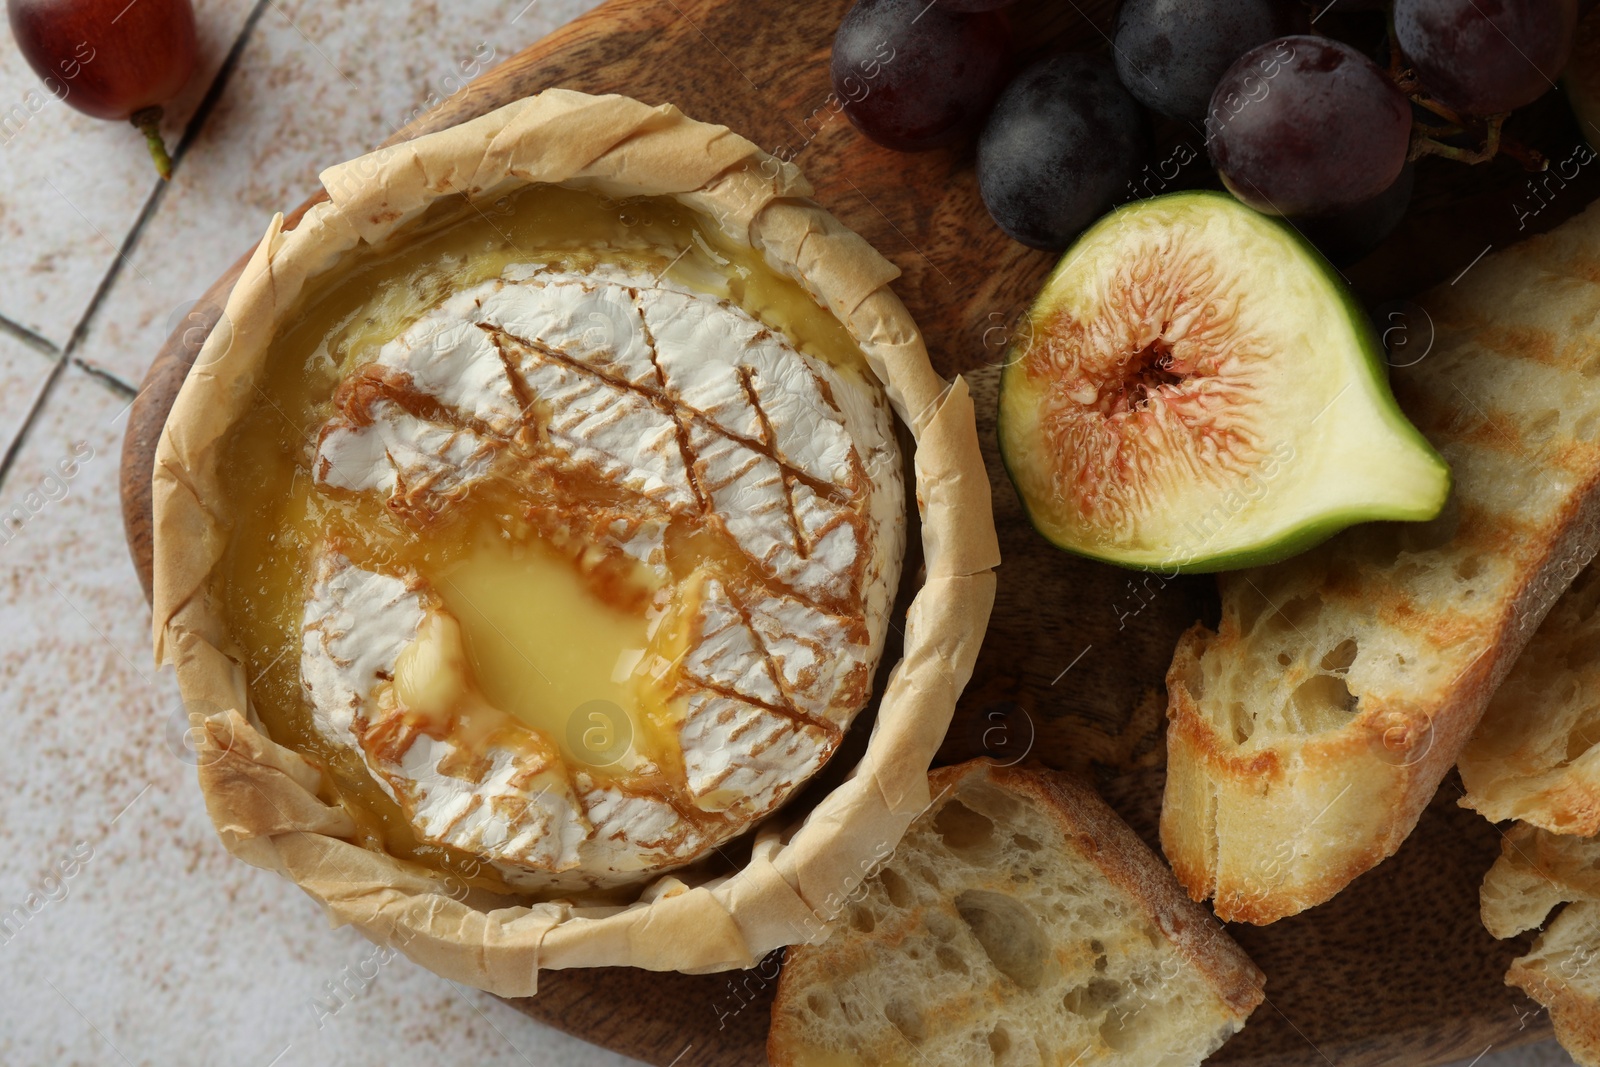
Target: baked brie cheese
(530, 526)
(597, 563)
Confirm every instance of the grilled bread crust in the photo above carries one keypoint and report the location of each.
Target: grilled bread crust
(1020, 921)
(1538, 871)
(1533, 756)
(1310, 730)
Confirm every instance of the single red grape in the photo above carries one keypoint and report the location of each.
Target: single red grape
(110, 58)
(1306, 126)
(912, 74)
(1485, 57)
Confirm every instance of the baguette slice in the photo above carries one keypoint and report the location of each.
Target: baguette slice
(1536, 872)
(1309, 732)
(1534, 756)
(1019, 922)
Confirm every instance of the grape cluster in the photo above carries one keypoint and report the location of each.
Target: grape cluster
(1326, 138)
(1057, 147)
(1298, 121)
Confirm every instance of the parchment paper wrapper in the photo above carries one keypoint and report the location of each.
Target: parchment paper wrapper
(268, 802)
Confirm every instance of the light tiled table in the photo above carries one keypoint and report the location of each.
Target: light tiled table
(159, 948)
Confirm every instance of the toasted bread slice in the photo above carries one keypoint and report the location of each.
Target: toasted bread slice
(1534, 756)
(1309, 732)
(1536, 872)
(1019, 922)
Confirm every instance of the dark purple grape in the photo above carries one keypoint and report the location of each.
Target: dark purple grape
(1484, 57)
(1306, 126)
(1345, 236)
(1064, 140)
(1171, 53)
(914, 75)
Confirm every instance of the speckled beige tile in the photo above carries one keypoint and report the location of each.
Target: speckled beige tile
(74, 186)
(127, 933)
(316, 84)
(23, 371)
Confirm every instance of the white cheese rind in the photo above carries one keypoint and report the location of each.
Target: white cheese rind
(449, 357)
(732, 370)
(520, 810)
(697, 353)
(818, 656)
(703, 414)
(725, 652)
(612, 429)
(356, 625)
(402, 456)
(741, 757)
(594, 322)
(636, 833)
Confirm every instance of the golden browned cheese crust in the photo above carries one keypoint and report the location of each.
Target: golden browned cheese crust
(1310, 730)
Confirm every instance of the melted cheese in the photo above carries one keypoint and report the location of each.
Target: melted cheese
(544, 647)
(611, 490)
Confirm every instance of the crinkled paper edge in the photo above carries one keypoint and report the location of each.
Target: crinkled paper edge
(264, 798)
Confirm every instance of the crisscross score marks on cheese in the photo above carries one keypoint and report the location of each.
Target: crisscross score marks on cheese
(641, 430)
(464, 774)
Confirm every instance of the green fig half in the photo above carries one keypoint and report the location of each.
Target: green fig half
(1195, 389)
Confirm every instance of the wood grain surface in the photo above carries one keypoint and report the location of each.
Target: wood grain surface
(1398, 968)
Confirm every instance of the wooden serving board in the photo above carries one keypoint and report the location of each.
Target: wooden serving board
(1397, 969)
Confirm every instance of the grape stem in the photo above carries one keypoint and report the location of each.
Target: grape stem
(1426, 141)
(1423, 144)
(148, 120)
(1429, 104)
(1530, 158)
(1427, 138)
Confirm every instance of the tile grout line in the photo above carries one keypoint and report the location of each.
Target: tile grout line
(191, 132)
(107, 379)
(21, 436)
(67, 354)
(79, 331)
(36, 341)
